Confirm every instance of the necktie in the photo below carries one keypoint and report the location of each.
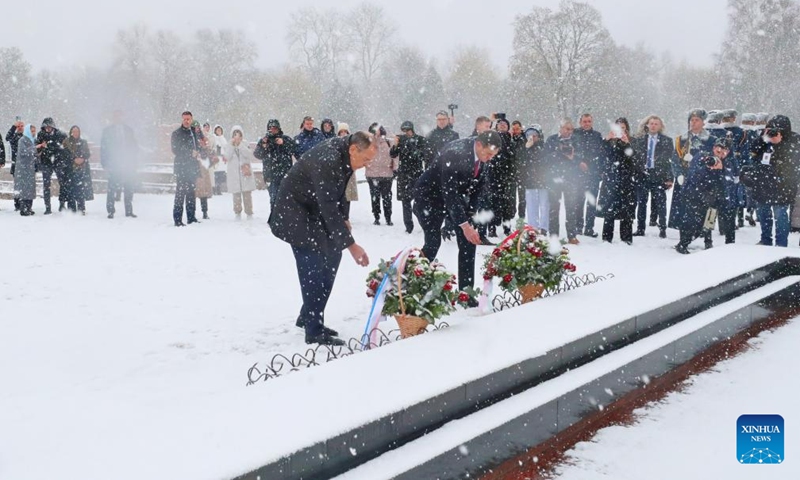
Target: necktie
(651, 150)
(477, 168)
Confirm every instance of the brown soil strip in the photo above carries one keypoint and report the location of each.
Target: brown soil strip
(539, 462)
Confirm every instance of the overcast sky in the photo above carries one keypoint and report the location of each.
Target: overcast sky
(70, 32)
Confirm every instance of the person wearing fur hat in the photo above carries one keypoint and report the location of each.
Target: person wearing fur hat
(326, 127)
(773, 176)
(80, 173)
(52, 158)
(25, 171)
(342, 129)
(275, 150)
(240, 179)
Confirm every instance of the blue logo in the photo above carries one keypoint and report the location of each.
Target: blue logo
(759, 439)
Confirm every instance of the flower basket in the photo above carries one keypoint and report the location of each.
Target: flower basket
(415, 291)
(531, 292)
(526, 262)
(411, 325)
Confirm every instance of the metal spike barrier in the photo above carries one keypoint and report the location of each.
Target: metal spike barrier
(282, 364)
(512, 299)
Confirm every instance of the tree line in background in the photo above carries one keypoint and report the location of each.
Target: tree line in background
(349, 66)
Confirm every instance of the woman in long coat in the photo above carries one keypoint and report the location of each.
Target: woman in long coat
(79, 173)
(502, 183)
(241, 181)
(621, 173)
(25, 171)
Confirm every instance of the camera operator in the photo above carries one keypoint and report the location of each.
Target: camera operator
(773, 177)
(565, 180)
(275, 151)
(413, 151)
(52, 158)
(703, 193)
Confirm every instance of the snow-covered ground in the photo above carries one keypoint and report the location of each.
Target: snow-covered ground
(692, 433)
(105, 324)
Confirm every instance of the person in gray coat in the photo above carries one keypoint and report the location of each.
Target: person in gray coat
(25, 171)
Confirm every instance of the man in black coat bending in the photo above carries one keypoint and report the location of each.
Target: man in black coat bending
(451, 188)
(310, 214)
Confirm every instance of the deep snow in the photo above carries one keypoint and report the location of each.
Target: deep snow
(124, 343)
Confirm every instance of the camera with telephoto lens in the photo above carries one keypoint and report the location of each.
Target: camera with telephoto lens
(771, 133)
(710, 161)
(453, 106)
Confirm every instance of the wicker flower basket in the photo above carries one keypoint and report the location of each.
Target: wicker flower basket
(531, 292)
(409, 324)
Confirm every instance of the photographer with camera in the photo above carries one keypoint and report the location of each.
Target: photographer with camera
(703, 194)
(773, 176)
(275, 150)
(52, 158)
(413, 151)
(565, 180)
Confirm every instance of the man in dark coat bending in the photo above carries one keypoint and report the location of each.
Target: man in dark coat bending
(451, 188)
(310, 214)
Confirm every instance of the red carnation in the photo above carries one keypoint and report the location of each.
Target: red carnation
(448, 287)
(463, 297)
(373, 285)
(537, 253)
(496, 252)
(570, 267)
(508, 278)
(419, 272)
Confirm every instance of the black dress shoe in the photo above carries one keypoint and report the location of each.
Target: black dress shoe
(47, 211)
(590, 233)
(662, 234)
(376, 222)
(180, 224)
(638, 233)
(325, 329)
(131, 215)
(205, 216)
(709, 245)
(389, 222)
(681, 249)
(324, 339)
(192, 220)
(110, 216)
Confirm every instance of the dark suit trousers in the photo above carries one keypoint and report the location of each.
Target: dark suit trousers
(117, 183)
(573, 202)
(591, 192)
(380, 190)
(184, 193)
(646, 190)
(317, 273)
(431, 223)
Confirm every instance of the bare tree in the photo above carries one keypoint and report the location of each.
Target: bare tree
(369, 32)
(131, 51)
(560, 48)
(15, 76)
(317, 39)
